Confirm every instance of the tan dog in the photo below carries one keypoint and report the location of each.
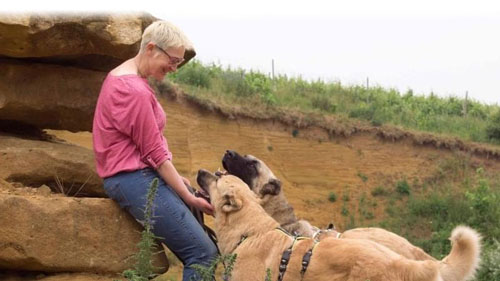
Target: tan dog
(261, 180)
(238, 214)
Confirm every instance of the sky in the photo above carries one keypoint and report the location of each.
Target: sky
(445, 47)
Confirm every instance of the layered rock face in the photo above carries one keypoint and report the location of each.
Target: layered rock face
(54, 214)
(52, 66)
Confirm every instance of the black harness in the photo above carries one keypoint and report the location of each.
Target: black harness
(285, 258)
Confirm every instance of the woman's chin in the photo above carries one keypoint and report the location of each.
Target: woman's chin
(159, 78)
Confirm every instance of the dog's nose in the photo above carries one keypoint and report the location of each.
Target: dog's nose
(230, 153)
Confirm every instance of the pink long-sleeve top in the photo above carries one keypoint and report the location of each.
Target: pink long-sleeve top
(128, 125)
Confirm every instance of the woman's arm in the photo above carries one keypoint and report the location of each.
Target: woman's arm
(170, 175)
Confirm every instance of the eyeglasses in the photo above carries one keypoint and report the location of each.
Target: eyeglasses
(173, 60)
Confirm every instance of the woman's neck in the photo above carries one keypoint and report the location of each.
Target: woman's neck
(139, 62)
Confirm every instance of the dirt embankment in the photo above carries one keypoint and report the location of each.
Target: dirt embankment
(329, 126)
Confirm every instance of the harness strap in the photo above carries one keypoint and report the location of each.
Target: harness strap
(284, 261)
(285, 258)
(306, 259)
(243, 238)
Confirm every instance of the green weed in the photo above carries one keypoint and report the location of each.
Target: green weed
(332, 197)
(402, 187)
(379, 191)
(144, 269)
(207, 272)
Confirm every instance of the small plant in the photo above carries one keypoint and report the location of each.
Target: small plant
(362, 176)
(268, 275)
(368, 215)
(207, 272)
(403, 188)
(295, 133)
(269, 148)
(67, 191)
(332, 197)
(490, 263)
(344, 211)
(345, 197)
(379, 191)
(144, 269)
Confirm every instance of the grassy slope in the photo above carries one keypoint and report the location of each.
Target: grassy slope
(256, 92)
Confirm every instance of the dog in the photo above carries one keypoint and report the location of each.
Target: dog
(244, 228)
(261, 180)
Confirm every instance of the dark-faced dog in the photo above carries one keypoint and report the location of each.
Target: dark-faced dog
(261, 180)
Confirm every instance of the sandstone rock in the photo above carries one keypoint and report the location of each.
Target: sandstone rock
(35, 163)
(6, 186)
(61, 234)
(28, 276)
(48, 96)
(96, 41)
(44, 190)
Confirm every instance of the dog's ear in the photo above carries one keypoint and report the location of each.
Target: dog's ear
(230, 202)
(273, 187)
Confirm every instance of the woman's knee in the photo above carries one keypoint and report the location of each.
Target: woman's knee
(211, 251)
(205, 254)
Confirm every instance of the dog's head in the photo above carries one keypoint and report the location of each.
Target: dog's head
(226, 192)
(253, 171)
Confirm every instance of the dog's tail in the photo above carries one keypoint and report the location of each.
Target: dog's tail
(463, 260)
(459, 265)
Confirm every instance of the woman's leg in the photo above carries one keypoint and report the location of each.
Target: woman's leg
(173, 221)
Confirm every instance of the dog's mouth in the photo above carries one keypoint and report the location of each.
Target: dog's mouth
(204, 192)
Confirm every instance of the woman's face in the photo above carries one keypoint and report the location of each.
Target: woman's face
(162, 61)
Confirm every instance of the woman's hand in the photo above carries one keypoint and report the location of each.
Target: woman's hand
(179, 184)
(201, 204)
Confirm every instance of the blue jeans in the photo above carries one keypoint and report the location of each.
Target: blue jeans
(173, 221)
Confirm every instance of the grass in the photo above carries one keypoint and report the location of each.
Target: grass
(460, 193)
(437, 212)
(379, 191)
(67, 191)
(376, 105)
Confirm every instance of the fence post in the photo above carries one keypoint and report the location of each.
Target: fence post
(465, 105)
(272, 61)
(274, 83)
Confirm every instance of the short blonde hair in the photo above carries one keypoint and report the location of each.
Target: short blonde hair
(165, 35)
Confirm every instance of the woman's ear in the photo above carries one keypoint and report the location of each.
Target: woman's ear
(149, 47)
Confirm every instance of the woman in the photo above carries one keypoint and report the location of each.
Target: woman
(130, 149)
